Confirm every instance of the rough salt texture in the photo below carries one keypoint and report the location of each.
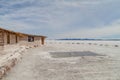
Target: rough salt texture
(9, 57)
(37, 63)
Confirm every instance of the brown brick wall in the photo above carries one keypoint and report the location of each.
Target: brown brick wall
(5, 38)
(23, 38)
(12, 38)
(1, 38)
(36, 38)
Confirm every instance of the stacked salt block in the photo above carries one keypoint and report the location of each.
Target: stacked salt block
(13, 53)
(6, 67)
(10, 59)
(30, 44)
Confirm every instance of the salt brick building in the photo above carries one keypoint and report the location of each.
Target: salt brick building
(8, 37)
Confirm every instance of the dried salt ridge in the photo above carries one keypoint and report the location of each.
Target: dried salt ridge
(12, 46)
(10, 57)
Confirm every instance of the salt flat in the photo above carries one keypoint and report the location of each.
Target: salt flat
(38, 63)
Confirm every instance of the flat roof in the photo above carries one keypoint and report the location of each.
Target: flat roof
(21, 34)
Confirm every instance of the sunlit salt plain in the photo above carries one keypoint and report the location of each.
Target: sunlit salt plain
(69, 60)
(109, 48)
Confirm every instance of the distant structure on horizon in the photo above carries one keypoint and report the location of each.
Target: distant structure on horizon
(8, 37)
(89, 39)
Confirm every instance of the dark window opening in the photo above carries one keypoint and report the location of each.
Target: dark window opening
(16, 39)
(30, 39)
(8, 39)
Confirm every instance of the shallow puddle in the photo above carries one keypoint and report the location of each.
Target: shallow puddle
(73, 54)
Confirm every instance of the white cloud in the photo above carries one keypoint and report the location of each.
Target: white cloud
(109, 30)
(53, 15)
(83, 3)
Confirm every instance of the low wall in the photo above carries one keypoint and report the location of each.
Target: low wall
(30, 44)
(12, 54)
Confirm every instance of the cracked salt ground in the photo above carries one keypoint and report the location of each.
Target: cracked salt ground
(37, 64)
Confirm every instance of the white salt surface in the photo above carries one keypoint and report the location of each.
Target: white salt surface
(10, 52)
(37, 63)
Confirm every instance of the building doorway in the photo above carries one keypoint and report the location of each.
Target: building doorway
(16, 39)
(8, 38)
(42, 40)
(30, 39)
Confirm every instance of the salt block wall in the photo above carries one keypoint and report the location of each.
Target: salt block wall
(12, 38)
(1, 38)
(37, 38)
(24, 41)
(37, 42)
(18, 39)
(25, 38)
(5, 38)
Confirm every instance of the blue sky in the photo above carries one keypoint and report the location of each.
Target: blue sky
(62, 18)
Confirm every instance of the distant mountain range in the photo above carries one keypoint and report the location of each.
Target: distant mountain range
(89, 39)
